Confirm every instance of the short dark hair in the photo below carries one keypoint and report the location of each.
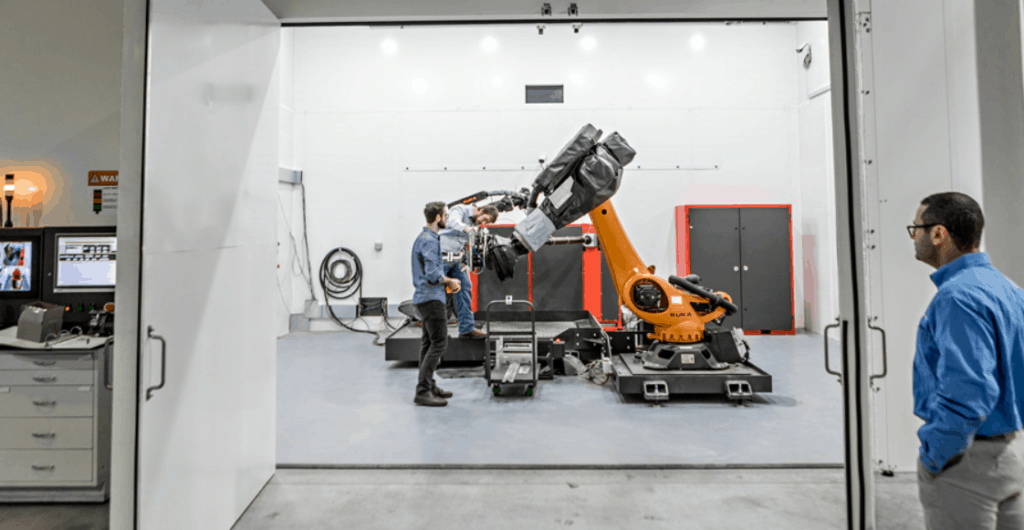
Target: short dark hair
(490, 210)
(960, 214)
(433, 209)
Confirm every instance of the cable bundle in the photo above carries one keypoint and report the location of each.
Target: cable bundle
(341, 277)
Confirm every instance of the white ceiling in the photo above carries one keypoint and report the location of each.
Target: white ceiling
(456, 10)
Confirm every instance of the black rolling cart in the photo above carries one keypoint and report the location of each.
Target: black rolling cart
(511, 349)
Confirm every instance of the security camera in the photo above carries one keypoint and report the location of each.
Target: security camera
(540, 29)
(576, 28)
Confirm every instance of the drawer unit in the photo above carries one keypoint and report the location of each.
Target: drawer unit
(45, 361)
(45, 466)
(46, 433)
(46, 401)
(47, 377)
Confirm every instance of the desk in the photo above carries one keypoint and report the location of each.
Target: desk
(55, 406)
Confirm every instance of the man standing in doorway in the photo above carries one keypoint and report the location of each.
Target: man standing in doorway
(429, 299)
(968, 375)
(462, 219)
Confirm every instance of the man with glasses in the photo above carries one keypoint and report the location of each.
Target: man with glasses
(968, 375)
(429, 280)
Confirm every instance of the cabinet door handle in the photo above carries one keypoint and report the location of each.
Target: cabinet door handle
(44, 363)
(736, 268)
(746, 268)
(828, 327)
(107, 368)
(885, 355)
(44, 468)
(44, 435)
(44, 403)
(45, 379)
(163, 362)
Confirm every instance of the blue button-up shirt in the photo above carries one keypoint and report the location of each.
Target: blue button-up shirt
(969, 366)
(427, 267)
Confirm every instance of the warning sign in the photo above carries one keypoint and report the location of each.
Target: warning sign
(103, 178)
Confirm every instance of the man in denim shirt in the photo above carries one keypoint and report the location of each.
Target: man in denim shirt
(968, 375)
(463, 218)
(429, 280)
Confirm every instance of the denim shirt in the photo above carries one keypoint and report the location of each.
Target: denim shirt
(969, 365)
(427, 267)
(453, 238)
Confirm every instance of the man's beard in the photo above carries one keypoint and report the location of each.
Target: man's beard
(925, 250)
(442, 224)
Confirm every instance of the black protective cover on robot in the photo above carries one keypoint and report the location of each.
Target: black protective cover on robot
(595, 180)
(715, 300)
(566, 159)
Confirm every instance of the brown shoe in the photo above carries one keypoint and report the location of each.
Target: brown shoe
(475, 334)
(430, 400)
(442, 393)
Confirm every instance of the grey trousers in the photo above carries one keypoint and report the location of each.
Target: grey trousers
(981, 491)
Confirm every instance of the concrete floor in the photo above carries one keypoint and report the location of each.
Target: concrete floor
(594, 499)
(340, 402)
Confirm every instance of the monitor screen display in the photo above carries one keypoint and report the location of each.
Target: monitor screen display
(16, 268)
(86, 262)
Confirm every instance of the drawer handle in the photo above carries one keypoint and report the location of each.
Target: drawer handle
(44, 468)
(45, 435)
(45, 403)
(44, 363)
(41, 379)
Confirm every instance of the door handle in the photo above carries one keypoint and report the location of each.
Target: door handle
(107, 350)
(40, 379)
(44, 435)
(39, 403)
(736, 268)
(44, 363)
(44, 468)
(837, 374)
(163, 362)
(885, 356)
(746, 268)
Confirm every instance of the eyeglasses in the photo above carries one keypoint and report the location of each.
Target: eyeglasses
(912, 228)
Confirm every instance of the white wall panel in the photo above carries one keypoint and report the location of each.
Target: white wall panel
(359, 124)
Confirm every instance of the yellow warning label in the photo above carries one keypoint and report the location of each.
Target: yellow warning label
(103, 178)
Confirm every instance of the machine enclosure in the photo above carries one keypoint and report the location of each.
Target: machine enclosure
(39, 320)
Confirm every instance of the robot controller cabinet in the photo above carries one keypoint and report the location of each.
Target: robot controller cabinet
(74, 267)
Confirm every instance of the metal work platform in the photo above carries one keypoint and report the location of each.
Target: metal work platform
(557, 332)
(739, 381)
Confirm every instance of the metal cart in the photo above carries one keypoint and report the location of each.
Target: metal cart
(512, 352)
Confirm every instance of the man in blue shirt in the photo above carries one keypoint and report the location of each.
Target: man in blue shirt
(463, 218)
(968, 375)
(429, 298)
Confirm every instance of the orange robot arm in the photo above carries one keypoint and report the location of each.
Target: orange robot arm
(651, 298)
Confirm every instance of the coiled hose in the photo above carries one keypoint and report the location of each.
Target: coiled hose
(341, 277)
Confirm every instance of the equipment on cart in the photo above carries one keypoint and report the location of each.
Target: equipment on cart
(512, 353)
(683, 358)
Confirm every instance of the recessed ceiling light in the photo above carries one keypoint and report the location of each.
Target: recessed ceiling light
(489, 44)
(389, 46)
(657, 81)
(697, 42)
(588, 43)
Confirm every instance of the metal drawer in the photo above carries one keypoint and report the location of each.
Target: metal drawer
(21, 466)
(46, 401)
(48, 377)
(46, 361)
(46, 433)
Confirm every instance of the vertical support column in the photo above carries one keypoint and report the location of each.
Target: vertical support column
(1001, 110)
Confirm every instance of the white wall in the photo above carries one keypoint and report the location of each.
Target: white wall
(359, 124)
(60, 77)
(820, 302)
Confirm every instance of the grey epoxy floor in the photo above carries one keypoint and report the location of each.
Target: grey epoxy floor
(593, 499)
(339, 402)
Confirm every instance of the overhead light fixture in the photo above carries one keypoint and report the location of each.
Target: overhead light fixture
(545, 10)
(573, 10)
(419, 85)
(697, 42)
(389, 46)
(588, 43)
(489, 44)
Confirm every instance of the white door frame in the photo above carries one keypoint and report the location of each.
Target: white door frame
(849, 202)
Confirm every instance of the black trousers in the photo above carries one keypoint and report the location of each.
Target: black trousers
(434, 342)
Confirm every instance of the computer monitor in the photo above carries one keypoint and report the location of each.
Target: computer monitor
(20, 251)
(84, 262)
